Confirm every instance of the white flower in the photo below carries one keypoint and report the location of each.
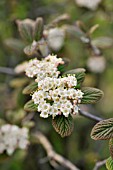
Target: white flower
(46, 107)
(54, 111)
(10, 150)
(66, 112)
(79, 94)
(44, 114)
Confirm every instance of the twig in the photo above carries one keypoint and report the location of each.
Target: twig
(90, 116)
(99, 164)
(52, 155)
(6, 70)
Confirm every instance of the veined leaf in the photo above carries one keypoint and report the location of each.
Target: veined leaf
(91, 95)
(63, 125)
(30, 106)
(111, 147)
(109, 164)
(26, 29)
(79, 74)
(103, 130)
(38, 29)
(30, 88)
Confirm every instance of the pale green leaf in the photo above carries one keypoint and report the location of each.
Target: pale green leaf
(103, 42)
(30, 88)
(30, 106)
(91, 95)
(109, 164)
(111, 147)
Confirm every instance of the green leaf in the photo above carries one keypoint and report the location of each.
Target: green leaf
(60, 19)
(18, 82)
(109, 164)
(38, 29)
(79, 74)
(111, 147)
(103, 130)
(63, 125)
(14, 45)
(103, 42)
(26, 29)
(30, 88)
(30, 106)
(30, 49)
(91, 95)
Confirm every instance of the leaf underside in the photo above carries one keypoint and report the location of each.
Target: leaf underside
(103, 130)
(63, 125)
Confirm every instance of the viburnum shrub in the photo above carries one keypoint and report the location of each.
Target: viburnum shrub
(54, 92)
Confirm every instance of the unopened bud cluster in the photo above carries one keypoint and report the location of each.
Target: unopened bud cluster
(12, 137)
(56, 95)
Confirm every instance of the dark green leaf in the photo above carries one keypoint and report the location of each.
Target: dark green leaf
(91, 95)
(30, 106)
(30, 88)
(38, 29)
(103, 130)
(63, 125)
(109, 164)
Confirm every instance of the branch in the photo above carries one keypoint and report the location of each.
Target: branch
(90, 116)
(6, 70)
(53, 157)
(99, 164)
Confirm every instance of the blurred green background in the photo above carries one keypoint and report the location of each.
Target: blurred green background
(79, 147)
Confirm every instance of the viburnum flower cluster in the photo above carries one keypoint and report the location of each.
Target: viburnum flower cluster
(44, 68)
(12, 137)
(55, 95)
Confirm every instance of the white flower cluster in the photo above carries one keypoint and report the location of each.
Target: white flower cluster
(44, 68)
(12, 137)
(56, 96)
